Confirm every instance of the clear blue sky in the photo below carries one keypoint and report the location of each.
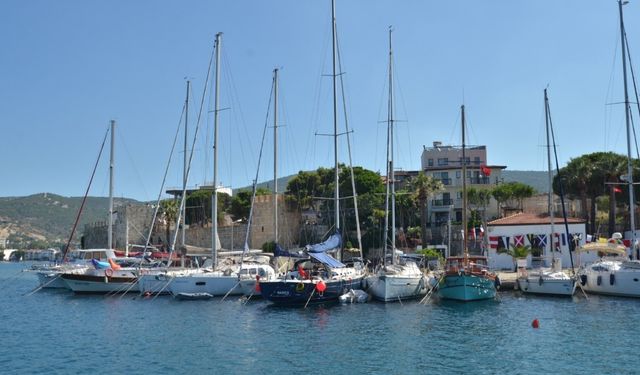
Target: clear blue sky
(68, 67)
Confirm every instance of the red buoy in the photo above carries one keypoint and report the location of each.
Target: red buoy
(321, 286)
(535, 323)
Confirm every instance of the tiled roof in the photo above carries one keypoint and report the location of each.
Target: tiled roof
(533, 219)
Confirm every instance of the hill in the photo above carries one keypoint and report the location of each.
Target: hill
(48, 217)
(537, 179)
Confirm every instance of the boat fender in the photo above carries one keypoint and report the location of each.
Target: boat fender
(540, 280)
(497, 282)
(108, 272)
(599, 279)
(227, 272)
(612, 279)
(583, 280)
(299, 287)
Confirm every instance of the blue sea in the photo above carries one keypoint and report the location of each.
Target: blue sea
(56, 332)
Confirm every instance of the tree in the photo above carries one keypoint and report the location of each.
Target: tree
(241, 202)
(512, 194)
(423, 187)
(169, 209)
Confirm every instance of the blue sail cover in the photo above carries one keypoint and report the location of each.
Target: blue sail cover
(280, 252)
(327, 259)
(333, 242)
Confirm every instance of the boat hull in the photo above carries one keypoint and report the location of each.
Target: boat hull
(462, 287)
(389, 288)
(118, 283)
(301, 292)
(547, 286)
(214, 284)
(623, 284)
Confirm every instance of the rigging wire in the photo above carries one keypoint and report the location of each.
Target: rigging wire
(635, 89)
(84, 199)
(131, 161)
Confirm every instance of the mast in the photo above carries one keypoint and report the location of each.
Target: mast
(335, 116)
(391, 168)
(464, 189)
(275, 154)
(632, 201)
(111, 165)
(214, 194)
(184, 170)
(550, 176)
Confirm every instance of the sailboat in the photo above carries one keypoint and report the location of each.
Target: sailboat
(550, 281)
(466, 277)
(220, 278)
(319, 277)
(396, 279)
(103, 277)
(616, 275)
(250, 275)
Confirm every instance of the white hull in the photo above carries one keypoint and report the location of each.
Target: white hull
(389, 288)
(397, 282)
(214, 283)
(611, 278)
(547, 284)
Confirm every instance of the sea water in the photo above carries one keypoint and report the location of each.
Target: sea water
(57, 332)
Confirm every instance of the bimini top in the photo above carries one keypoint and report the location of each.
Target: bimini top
(327, 259)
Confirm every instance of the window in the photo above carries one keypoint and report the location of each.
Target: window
(476, 160)
(443, 161)
(430, 162)
(458, 174)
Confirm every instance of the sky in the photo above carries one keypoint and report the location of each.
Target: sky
(68, 67)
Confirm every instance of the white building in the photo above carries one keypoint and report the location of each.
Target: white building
(445, 164)
(534, 230)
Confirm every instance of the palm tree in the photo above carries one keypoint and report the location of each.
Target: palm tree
(170, 213)
(423, 187)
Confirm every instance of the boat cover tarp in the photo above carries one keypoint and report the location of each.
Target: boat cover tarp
(333, 242)
(99, 265)
(327, 259)
(280, 252)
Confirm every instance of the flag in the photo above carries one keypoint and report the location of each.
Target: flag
(542, 241)
(493, 242)
(518, 240)
(503, 243)
(485, 170)
(617, 189)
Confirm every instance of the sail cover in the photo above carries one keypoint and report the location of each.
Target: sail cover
(327, 259)
(331, 243)
(280, 252)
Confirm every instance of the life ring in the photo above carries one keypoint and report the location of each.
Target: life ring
(299, 287)
(108, 272)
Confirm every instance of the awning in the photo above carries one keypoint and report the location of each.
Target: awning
(327, 259)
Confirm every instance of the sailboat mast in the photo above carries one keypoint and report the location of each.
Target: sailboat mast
(275, 154)
(335, 116)
(391, 168)
(214, 194)
(550, 175)
(184, 170)
(111, 165)
(464, 188)
(632, 201)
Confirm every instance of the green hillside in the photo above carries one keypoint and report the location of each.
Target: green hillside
(49, 217)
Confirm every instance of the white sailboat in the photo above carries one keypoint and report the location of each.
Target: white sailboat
(397, 278)
(219, 279)
(549, 281)
(616, 275)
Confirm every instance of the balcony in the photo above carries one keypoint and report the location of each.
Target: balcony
(479, 180)
(441, 202)
(445, 181)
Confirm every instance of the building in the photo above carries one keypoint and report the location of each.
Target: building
(535, 231)
(445, 164)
